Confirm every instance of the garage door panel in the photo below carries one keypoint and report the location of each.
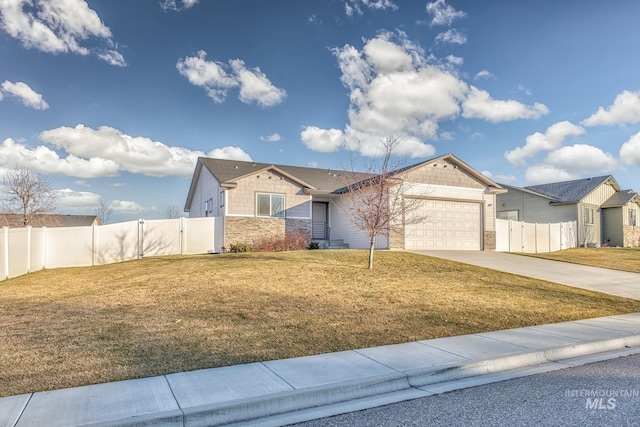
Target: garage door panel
(446, 225)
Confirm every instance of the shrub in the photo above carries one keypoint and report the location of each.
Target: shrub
(240, 247)
(313, 245)
(295, 240)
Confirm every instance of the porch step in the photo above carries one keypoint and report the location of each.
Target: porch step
(338, 244)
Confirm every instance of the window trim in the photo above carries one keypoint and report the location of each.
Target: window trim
(272, 214)
(589, 215)
(508, 213)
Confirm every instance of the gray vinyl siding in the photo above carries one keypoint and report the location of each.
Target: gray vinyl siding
(612, 232)
(207, 188)
(535, 209)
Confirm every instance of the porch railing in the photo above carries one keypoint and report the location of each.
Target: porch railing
(320, 230)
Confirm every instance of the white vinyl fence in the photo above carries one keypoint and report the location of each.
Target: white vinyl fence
(25, 250)
(517, 236)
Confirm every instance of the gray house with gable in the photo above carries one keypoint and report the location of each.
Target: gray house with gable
(605, 213)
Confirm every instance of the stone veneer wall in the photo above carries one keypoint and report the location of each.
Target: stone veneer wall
(247, 230)
(239, 229)
(631, 236)
(303, 225)
(489, 241)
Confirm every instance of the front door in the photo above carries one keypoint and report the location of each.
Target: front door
(319, 221)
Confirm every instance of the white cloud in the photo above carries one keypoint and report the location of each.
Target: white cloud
(357, 6)
(217, 78)
(271, 138)
(499, 178)
(625, 109)
(22, 91)
(125, 206)
(58, 27)
(455, 60)
(451, 37)
(92, 153)
(482, 75)
(322, 140)
(443, 13)
(630, 151)
(229, 153)
(582, 159)
(255, 87)
(71, 199)
(480, 105)
(544, 174)
(394, 90)
(177, 5)
(571, 162)
(48, 161)
(552, 139)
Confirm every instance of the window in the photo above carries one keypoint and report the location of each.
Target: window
(589, 216)
(512, 215)
(208, 207)
(633, 217)
(270, 205)
(221, 198)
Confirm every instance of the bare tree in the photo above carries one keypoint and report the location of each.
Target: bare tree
(28, 195)
(103, 212)
(172, 212)
(373, 201)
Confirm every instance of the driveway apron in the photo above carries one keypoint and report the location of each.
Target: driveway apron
(613, 282)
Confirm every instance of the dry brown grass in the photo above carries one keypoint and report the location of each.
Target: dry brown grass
(626, 259)
(76, 326)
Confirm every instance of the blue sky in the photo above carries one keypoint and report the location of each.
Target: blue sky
(114, 101)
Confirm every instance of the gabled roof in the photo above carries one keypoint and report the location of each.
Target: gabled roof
(621, 198)
(571, 191)
(314, 180)
(230, 171)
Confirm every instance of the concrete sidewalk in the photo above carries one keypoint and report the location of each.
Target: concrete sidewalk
(293, 390)
(613, 282)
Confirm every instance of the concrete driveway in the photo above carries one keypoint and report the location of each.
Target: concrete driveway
(612, 282)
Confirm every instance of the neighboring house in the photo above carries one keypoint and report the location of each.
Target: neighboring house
(605, 213)
(50, 220)
(259, 199)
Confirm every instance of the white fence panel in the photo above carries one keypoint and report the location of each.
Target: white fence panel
(502, 235)
(528, 237)
(69, 247)
(161, 237)
(201, 235)
(555, 237)
(116, 242)
(542, 238)
(24, 250)
(517, 236)
(19, 244)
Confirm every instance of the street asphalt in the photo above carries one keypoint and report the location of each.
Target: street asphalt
(288, 391)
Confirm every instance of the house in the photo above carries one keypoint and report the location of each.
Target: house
(605, 214)
(49, 220)
(260, 199)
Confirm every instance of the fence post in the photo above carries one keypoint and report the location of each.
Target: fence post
(6, 252)
(183, 235)
(29, 236)
(140, 238)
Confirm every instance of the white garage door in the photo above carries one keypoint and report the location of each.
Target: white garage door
(444, 225)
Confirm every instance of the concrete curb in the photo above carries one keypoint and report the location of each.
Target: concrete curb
(300, 404)
(285, 405)
(245, 410)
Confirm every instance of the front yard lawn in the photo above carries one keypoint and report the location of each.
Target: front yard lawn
(77, 326)
(626, 259)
